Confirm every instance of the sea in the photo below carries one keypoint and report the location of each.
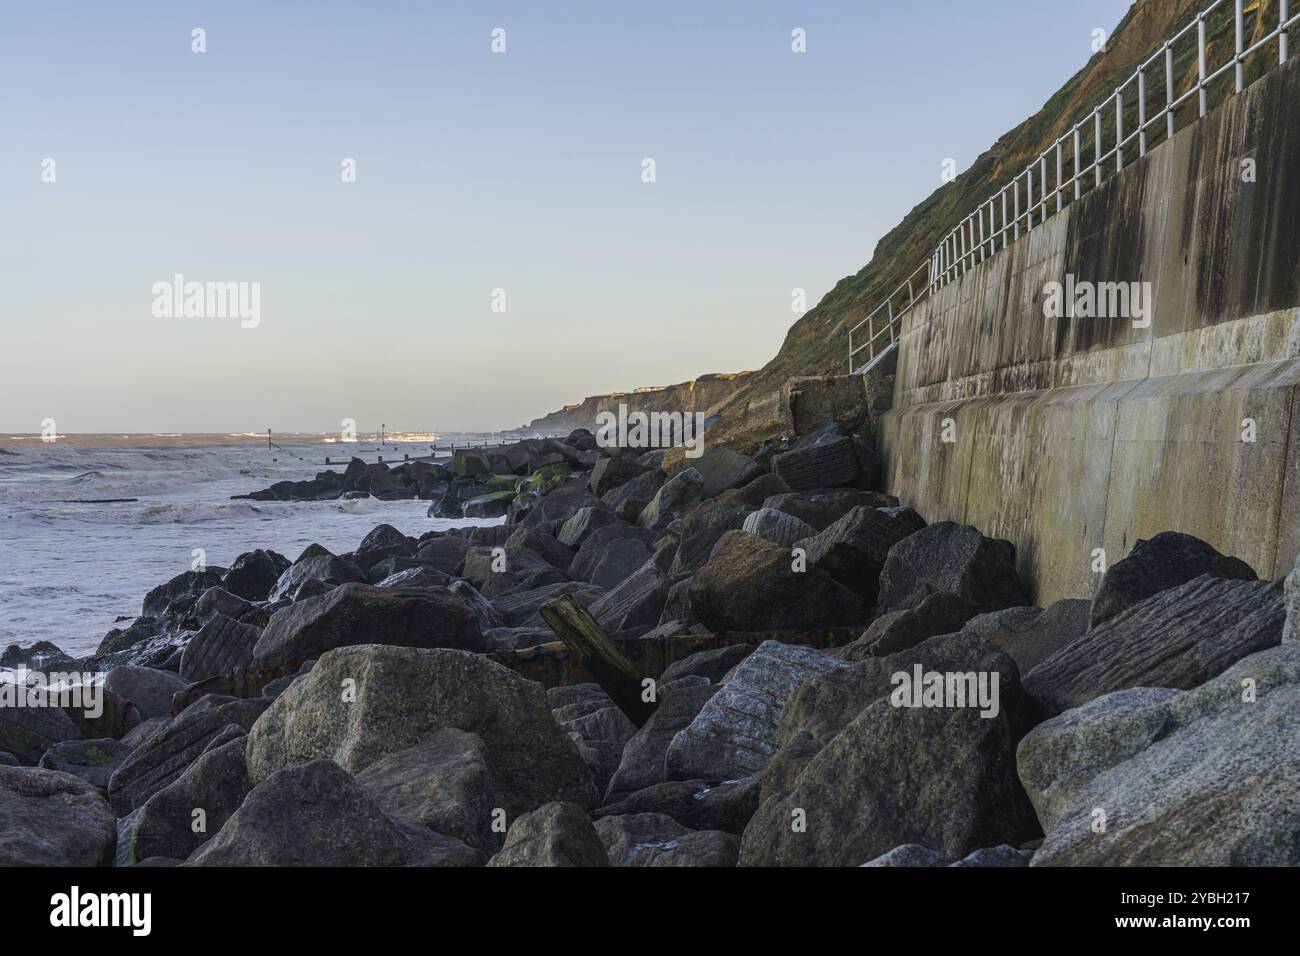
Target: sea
(73, 561)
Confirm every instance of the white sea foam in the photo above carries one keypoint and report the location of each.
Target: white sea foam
(69, 569)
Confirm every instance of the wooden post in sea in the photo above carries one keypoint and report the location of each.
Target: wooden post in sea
(598, 655)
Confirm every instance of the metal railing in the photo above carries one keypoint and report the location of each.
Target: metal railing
(1047, 187)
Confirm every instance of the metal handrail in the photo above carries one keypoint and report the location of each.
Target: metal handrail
(975, 238)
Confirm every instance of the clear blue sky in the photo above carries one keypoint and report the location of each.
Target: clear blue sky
(476, 171)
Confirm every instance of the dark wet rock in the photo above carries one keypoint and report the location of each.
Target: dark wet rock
(610, 473)
(92, 760)
(557, 834)
(403, 695)
(822, 508)
(910, 854)
(724, 468)
(735, 734)
(445, 506)
(695, 804)
(158, 761)
(48, 818)
(360, 614)
(168, 824)
(1202, 777)
(444, 553)
(678, 495)
(190, 584)
(712, 664)
(315, 814)
(940, 613)
(999, 856)
(521, 608)
(222, 646)
(595, 551)
(111, 714)
(584, 521)
(384, 536)
(1030, 634)
(40, 656)
(417, 577)
(853, 549)
(866, 776)
(120, 639)
(636, 601)
(642, 763)
(1178, 638)
(445, 783)
(544, 545)
(630, 499)
(655, 839)
(252, 575)
(27, 732)
(831, 464)
(1165, 561)
(953, 558)
(325, 568)
(750, 584)
(777, 526)
(702, 528)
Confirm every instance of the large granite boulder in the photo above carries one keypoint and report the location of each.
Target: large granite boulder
(735, 734)
(48, 818)
(609, 473)
(831, 463)
(695, 804)
(1158, 777)
(221, 646)
(27, 732)
(678, 495)
(1177, 638)
(180, 817)
(150, 689)
(1165, 561)
(315, 814)
(158, 760)
(821, 509)
(361, 614)
(751, 584)
(853, 549)
(1030, 635)
(723, 468)
(862, 768)
(321, 567)
(953, 558)
(444, 782)
(940, 613)
(360, 704)
(92, 760)
(252, 575)
(642, 763)
(777, 527)
(557, 834)
(654, 839)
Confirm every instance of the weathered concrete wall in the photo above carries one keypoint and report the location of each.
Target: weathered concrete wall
(1077, 434)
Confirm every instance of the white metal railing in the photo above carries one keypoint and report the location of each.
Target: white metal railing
(999, 218)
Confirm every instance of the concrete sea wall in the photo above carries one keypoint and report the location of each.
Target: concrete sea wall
(1066, 435)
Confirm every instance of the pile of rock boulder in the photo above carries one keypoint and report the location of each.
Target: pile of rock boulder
(374, 708)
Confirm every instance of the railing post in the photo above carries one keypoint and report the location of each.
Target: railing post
(1060, 175)
(1240, 23)
(1200, 58)
(1042, 205)
(1078, 164)
(1004, 218)
(1169, 88)
(1119, 130)
(1029, 198)
(1015, 198)
(1142, 112)
(1096, 166)
(981, 214)
(1283, 40)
